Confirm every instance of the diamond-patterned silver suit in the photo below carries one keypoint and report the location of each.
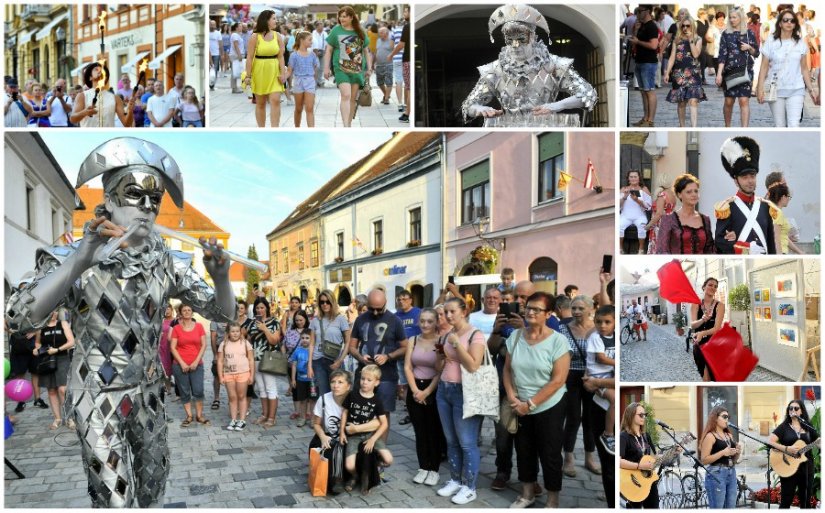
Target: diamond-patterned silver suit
(526, 79)
(115, 385)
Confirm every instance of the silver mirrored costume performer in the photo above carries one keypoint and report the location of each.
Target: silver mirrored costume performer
(526, 79)
(115, 391)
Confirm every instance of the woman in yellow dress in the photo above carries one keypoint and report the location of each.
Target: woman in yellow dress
(780, 195)
(265, 68)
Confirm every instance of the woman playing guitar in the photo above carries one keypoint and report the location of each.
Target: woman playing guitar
(633, 444)
(784, 437)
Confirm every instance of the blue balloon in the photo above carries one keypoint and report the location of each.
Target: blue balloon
(9, 429)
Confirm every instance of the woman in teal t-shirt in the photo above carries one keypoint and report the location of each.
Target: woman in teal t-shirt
(535, 373)
(347, 51)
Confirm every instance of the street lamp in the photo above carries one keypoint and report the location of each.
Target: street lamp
(481, 226)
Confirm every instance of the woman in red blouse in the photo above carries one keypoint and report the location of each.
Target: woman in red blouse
(685, 231)
(188, 345)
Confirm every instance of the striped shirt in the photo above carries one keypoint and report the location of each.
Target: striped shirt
(396, 37)
(578, 349)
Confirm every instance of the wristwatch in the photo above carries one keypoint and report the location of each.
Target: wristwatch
(531, 406)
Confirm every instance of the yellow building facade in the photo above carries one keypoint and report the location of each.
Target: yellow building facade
(38, 41)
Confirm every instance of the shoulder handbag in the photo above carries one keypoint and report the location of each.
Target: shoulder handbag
(480, 388)
(329, 349)
(772, 90)
(274, 362)
(508, 416)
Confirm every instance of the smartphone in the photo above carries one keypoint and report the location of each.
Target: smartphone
(259, 318)
(515, 308)
(635, 193)
(451, 279)
(607, 263)
(504, 309)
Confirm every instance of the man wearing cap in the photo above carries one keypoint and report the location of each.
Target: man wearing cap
(526, 79)
(744, 222)
(16, 112)
(117, 281)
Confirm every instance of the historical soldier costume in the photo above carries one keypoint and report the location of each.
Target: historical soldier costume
(526, 79)
(117, 296)
(747, 216)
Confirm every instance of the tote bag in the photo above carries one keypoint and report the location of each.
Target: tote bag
(480, 388)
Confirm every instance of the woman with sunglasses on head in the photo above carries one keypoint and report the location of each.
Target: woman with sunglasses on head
(706, 320)
(795, 427)
(720, 452)
(634, 443)
(685, 231)
(738, 47)
(786, 70)
(684, 73)
(780, 195)
(331, 330)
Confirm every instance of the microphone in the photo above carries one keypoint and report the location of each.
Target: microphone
(662, 424)
(734, 426)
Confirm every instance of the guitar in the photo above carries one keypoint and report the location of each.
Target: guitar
(635, 485)
(786, 465)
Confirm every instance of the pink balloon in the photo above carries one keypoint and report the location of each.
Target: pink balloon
(19, 390)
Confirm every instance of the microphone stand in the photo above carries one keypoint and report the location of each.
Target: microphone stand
(696, 462)
(767, 455)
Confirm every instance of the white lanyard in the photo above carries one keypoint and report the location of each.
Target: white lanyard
(751, 223)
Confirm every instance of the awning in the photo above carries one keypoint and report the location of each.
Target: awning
(25, 37)
(76, 72)
(52, 24)
(155, 63)
(126, 68)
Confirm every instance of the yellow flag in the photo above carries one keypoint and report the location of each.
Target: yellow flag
(564, 179)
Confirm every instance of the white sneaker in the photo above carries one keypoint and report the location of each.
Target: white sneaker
(232, 425)
(432, 478)
(464, 496)
(449, 488)
(421, 476)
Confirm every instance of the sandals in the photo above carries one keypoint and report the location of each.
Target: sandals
(294, 415)
(56, 424)
(203, 421)
(70, 424)
(186, 422)
(349, 485)
(269, 423)
(216, 404)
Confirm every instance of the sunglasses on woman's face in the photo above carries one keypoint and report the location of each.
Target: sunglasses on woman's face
(725, 417)
(642, 415)
(685, 27)
(795, 408)
(787, 20)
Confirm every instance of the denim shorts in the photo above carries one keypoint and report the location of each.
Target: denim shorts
(386, 391)
(646, 75)
(383, 74)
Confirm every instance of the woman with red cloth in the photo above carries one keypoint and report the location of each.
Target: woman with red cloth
(188, 345)
(685, 231)
(706, 319)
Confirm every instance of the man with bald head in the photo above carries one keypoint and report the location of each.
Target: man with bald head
(378, 338)
(383, 69)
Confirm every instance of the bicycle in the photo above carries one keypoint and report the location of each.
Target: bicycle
(693, 485)
(744, 498)
(669, 485)
(627, 332)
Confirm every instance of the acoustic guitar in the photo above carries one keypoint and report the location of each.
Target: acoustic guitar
(786, 465)
(634, 485)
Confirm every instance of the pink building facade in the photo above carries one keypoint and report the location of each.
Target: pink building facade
(505, 187)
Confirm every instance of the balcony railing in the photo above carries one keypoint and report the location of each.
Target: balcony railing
(32, 10)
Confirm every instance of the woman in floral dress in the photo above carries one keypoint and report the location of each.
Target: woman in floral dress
(738, 48)
(684, 73)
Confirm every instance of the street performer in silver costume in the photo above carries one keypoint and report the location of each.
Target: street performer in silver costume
(117, 281)
(526, 79)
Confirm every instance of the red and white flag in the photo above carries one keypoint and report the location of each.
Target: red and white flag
(68, 237)
(590, 177)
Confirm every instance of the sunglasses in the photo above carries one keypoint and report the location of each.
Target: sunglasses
(324, 302)
(726, 417)
(795, 408)
(377, 311)
(788, 20)
(685, 27)
(642, 415)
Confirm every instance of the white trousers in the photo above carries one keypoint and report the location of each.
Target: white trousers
(787, 111)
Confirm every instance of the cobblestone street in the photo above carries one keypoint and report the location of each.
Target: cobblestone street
(663, 359)
(215, 468)
(710, 111)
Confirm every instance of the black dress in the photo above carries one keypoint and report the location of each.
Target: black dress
(632, 449)
(801, 483)
(698, 357)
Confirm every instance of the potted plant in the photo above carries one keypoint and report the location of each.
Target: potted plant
(338, 259)
(739, 299)
(376, 252)
(414, 243)
(679, 319)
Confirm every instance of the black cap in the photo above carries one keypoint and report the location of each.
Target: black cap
(11, 81)
(740, 156)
